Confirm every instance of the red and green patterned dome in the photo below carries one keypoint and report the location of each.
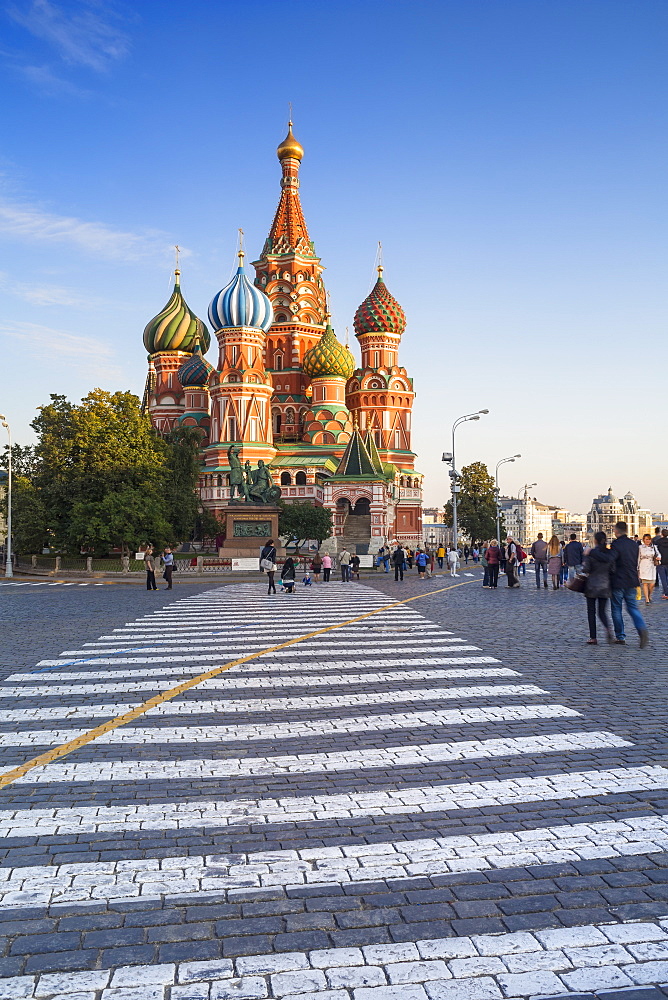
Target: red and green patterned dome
(380, 312)
(329, 358)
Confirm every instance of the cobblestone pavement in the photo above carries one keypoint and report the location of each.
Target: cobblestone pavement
(452, 798)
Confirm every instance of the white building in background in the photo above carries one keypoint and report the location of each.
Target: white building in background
(607, 509)
(434, 531)
(524, 517)
(565, 524)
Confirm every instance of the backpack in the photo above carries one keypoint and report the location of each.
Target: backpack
(519, 551)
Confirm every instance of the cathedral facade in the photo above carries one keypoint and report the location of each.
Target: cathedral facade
(288, 392)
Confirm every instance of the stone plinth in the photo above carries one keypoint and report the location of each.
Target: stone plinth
(248, 526)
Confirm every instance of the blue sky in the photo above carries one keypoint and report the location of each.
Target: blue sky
(511, 156)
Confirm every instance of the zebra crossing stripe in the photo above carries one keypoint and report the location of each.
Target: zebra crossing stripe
(66, 748)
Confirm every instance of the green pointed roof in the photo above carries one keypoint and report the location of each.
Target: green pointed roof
(176, 327)
(356, 460)
(372, 450)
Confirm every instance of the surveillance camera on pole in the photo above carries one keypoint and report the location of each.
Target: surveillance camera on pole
(447, 456)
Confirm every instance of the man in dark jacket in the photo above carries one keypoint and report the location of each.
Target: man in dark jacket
(540, 554)
(662, 545)
(574, 556)
(625, 583)
(399, 561)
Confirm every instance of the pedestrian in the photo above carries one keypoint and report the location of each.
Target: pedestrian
(521, 562)
(512, 562)
(344, 563)
(316, 567)
(485, 566)
(555, 562)
(493, 557)
(440, 556)
(268, 564)
(648, 560)
(168, 563)
(398, 560)
(662, 546)
(625, 583)
(409, 557)
(288, 574)
(326, 567)
(421, 561)
(430, 564)
(355, 566)
(574, 557)
(475, 554)
(599, 565)
(502, 560)
(149, 566)
(539, 551)
(467, 553)
(453, 562)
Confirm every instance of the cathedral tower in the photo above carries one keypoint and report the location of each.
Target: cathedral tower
(380, 393)
(289, 272)
(241, 388)
(170, 338)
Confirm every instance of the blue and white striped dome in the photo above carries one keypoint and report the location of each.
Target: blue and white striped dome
(241, 304)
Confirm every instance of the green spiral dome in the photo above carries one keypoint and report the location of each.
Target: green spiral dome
(329, 358)
(176, 328)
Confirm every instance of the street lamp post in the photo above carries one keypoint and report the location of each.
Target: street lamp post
(502, 461)
(9, 571)
(454, 475)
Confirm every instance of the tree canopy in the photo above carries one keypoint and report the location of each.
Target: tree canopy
(299, 521)
(101, 477)
(476, 505)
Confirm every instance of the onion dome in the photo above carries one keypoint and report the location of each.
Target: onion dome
(241, 304)
(290, 147)
(328, 358)
(195, 370)
(380, 312)
(175, 328)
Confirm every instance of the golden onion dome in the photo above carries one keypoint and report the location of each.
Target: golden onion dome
(329, 358)
(290, 147)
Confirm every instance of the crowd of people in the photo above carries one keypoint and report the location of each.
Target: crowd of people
(618, 571)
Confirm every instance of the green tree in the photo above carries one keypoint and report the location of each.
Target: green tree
(182, 469)
(476, 505)
(30, 525)
(101, 460)
(299, 521)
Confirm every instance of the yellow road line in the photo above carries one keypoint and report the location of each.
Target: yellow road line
(121, 720)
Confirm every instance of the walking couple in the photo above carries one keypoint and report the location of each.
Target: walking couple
(612, 573)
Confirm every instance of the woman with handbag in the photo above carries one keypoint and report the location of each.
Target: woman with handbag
(268, 563)
(648, 560)
(599, 565)
(555, 561)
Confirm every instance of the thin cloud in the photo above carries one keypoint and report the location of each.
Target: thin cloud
(83, 34)
(49, 295)
(92, 358)
(47, 82)
(33, 224)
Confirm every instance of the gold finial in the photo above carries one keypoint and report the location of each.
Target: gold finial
(355, 426)
(240, 251)
(177, 272)
(290, 148)
(380, 268)
(347, 338)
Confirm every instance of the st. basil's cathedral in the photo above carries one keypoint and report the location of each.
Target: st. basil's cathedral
(288, 392)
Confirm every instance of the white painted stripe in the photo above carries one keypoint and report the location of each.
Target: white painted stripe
(520, 964)
(333, 865)
(264, 704)
(232, 640)
(285, 680)
(439, 798)
(227, 652)
(233, 733)
(369, 758)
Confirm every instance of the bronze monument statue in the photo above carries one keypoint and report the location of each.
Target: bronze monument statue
(255, 485)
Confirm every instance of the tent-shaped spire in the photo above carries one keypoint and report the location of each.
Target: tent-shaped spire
(356, 460)
(372, 451)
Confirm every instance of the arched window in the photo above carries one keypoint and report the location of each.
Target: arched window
(278, 361)
(281, 318)
(219, 480)
(300, 479)
(277, 419)
(286, 479)
(289, 415)
(286, 276)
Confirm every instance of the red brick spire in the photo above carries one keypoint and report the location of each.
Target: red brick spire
(288, 232)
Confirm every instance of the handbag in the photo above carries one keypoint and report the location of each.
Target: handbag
(577, 584)
(268, 565)
(657, 556)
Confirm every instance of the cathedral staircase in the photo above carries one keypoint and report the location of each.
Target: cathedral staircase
(356, 534)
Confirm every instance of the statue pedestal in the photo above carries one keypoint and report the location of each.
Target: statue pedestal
(249, 525)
